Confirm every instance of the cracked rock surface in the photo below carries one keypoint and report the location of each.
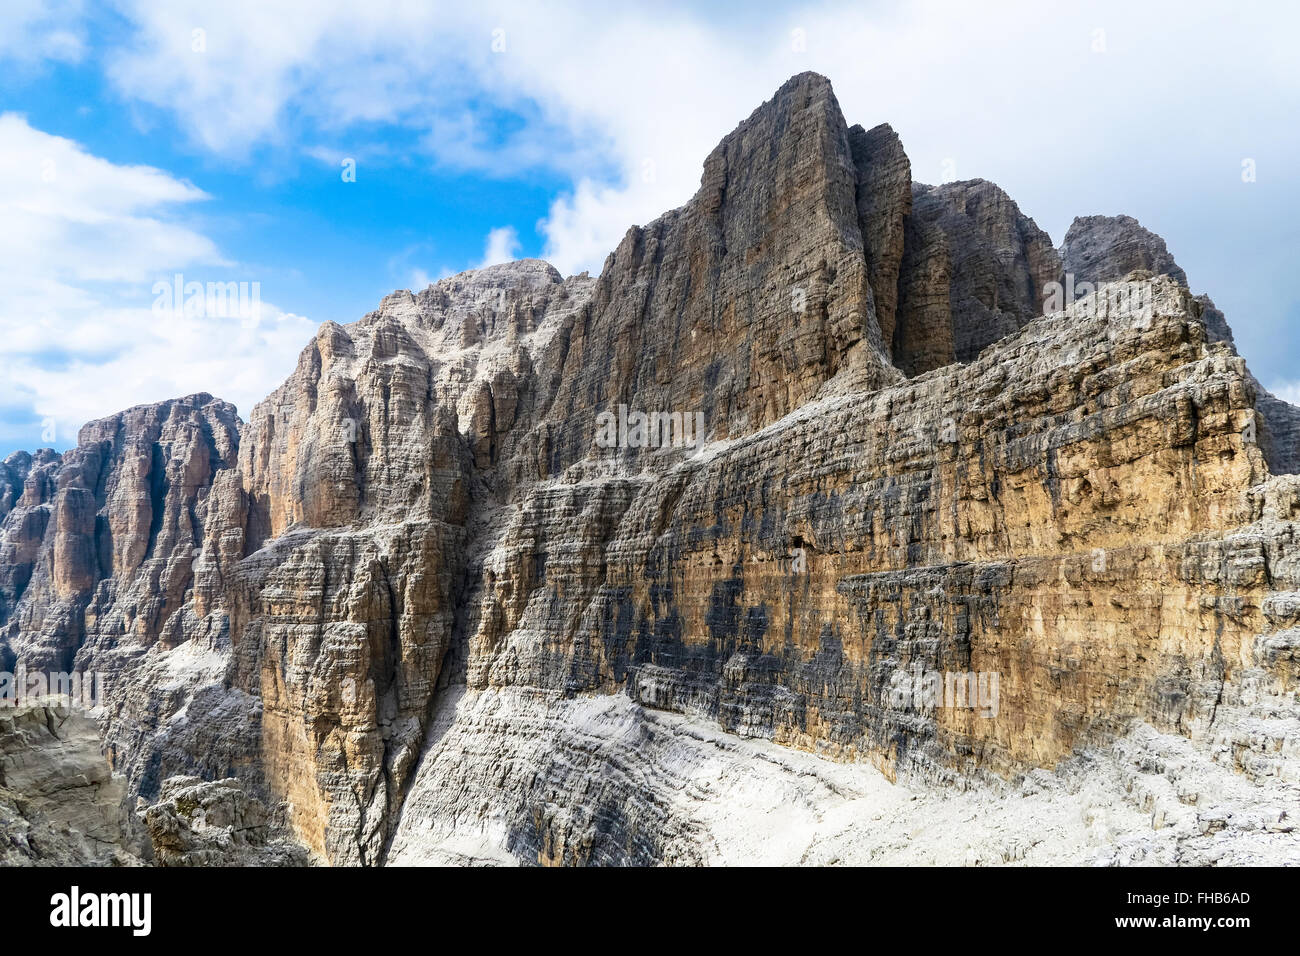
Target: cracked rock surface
(215, 823)
(60, 802)
(421, 611)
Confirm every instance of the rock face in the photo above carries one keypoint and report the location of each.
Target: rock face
(975, 269)
(884, 196)
(215, 823)
(746, 303)
(60, 803)
(599, 780)
(519, 567)
(1101, 249)
(1107, 248)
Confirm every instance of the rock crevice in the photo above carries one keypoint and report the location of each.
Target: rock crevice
(418, 591)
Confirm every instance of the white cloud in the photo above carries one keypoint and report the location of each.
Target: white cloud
(502, 246)
(229, 70)
(1287, 390)
(57, 196)
(84, 243)
(34, 30)
(605, 98)
(628, 100)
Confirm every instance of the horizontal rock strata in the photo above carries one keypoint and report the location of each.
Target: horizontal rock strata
(522, 567)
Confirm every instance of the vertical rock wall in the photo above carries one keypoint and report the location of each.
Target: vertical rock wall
(901, 466)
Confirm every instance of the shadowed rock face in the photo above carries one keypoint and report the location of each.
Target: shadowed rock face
(974, 270)
(884, 197)
(1107, 248)
(390, 590)
(743, 304)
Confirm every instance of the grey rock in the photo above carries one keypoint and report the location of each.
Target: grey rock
(1100, 249)
(884, 197)
(215, 823)
(60, 802)
(974, 270)
(1107, 248)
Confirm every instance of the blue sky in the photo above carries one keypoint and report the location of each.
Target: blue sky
(140, 140)
(330, 248)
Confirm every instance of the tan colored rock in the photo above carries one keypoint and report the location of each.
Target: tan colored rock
(1075, 503)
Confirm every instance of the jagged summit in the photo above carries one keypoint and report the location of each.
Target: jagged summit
(534, 272)
(1104, 248)
(1107, 248)
(840, 271)
(426, 609)
(1101, 249)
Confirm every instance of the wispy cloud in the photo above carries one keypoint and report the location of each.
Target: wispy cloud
(502, 246)
(82, 332)
(36, 30)
(1110, 108)
(628, 100)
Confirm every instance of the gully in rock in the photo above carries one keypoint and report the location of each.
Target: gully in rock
(796, 512)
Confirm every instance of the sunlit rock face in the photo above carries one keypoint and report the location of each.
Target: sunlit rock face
(1100, 249)
(519, 567)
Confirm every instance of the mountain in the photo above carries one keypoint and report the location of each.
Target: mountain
(667, 565)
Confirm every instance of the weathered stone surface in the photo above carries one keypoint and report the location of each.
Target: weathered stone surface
(517, 777)
(974, 270)
(60, 803)
(1107, 248)
(1279, 431)
(118, 511)
(418, 607)
(215, 823)
(1102, 249)
(884, 196)
(975, 487)
(743, 303)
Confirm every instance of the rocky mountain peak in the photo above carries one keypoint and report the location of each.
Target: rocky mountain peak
(974, 270)
(1101, 249)
(1107, 248)
(470, 582)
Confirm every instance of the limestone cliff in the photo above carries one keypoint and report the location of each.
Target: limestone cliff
(468, 586)
(60, 803)
(974, 271)
(1101, 249)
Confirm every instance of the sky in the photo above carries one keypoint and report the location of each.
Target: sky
(307, 157)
